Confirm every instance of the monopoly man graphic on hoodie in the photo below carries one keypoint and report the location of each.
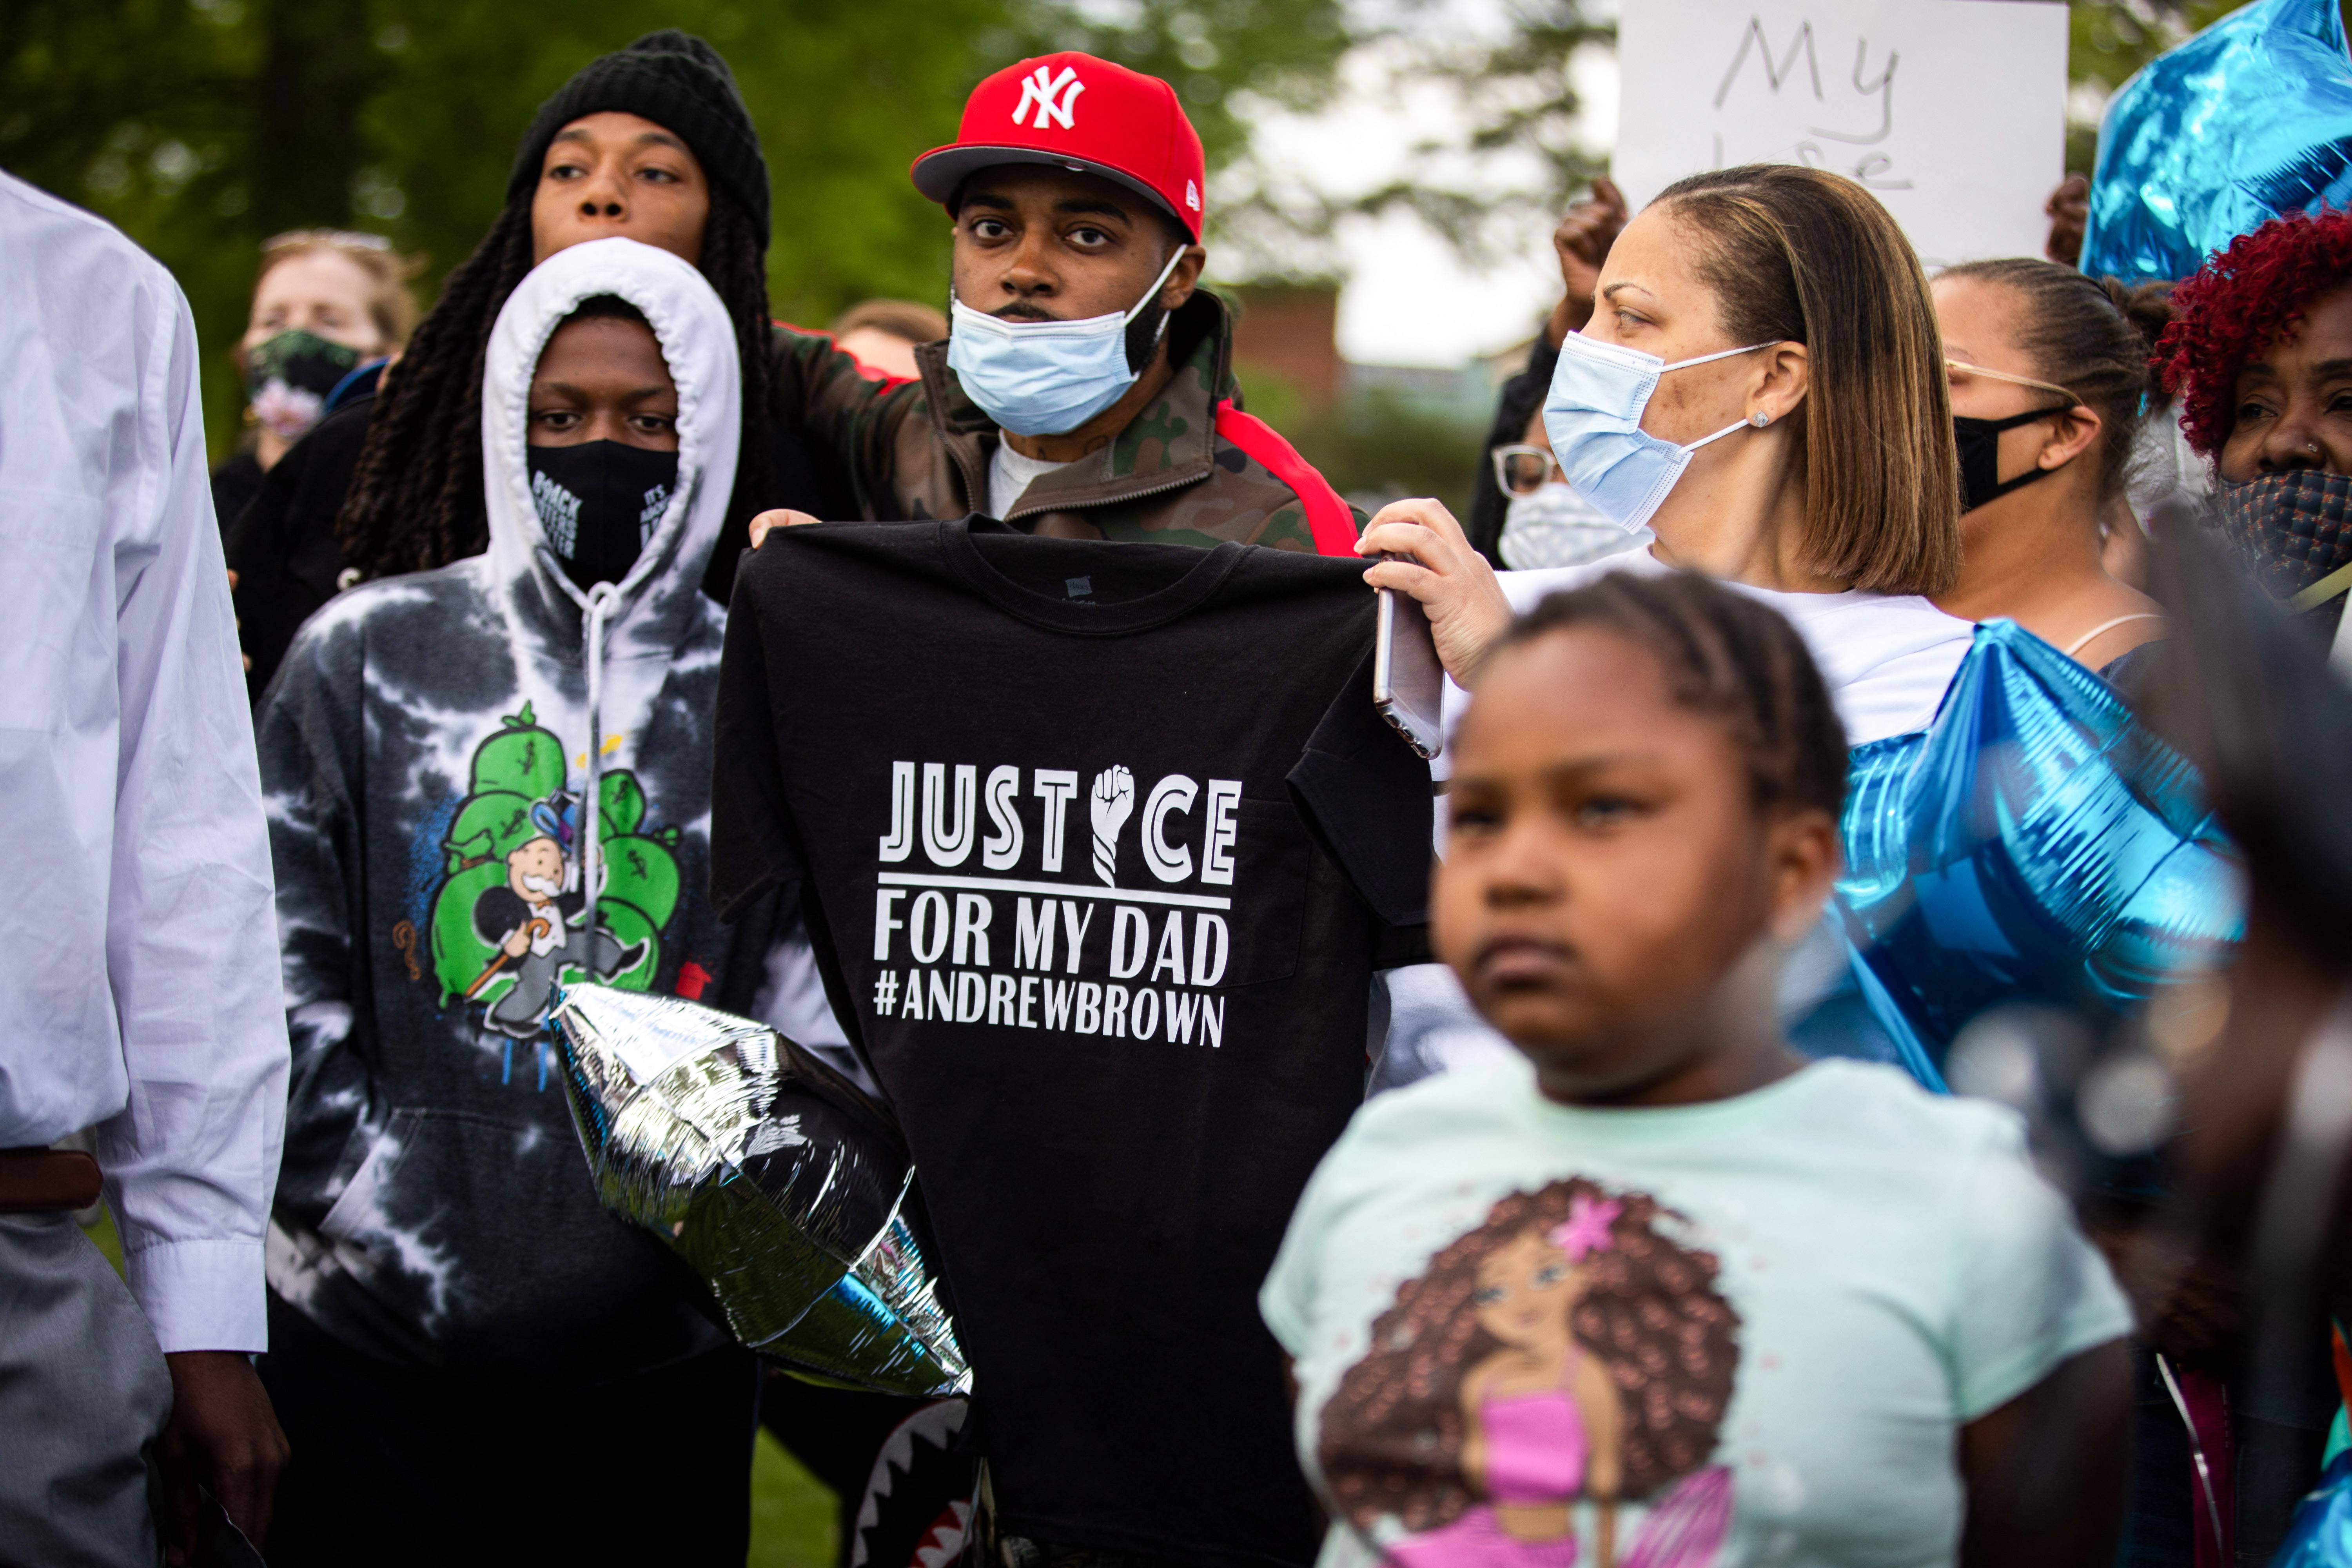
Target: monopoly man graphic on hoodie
(513, 913)
(439, 809)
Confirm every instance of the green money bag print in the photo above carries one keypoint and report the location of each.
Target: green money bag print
(508, 924)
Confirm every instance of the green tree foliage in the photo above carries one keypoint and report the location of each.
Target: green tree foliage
(1374, 445)
(2110, 39)
(201, 127)
(1377, 447)
(1512, 94)
(1515, 95)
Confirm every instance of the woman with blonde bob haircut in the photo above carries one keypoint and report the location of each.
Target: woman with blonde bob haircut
(1761, 384)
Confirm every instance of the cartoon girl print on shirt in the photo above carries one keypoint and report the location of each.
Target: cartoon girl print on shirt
(1568, 1351)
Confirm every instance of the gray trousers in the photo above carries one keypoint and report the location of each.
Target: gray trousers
(83, 1396)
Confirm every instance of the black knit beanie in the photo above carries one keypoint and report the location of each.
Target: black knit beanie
(681, 84)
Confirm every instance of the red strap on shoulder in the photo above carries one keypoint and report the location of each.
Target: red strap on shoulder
(1328, 517)
(879, 376)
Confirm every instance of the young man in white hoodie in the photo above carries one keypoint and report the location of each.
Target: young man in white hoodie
(484, 781)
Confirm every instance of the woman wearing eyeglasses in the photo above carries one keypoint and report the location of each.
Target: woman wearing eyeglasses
(2049, 374)
(1523, 511)
(1545, 522)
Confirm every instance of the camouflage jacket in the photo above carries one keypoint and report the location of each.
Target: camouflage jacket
(1177, 474)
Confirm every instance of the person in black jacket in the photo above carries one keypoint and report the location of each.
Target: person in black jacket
(284, 558)
(329, 306)
(652, 144)
(1581, 243)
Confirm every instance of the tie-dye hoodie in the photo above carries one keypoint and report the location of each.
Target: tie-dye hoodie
(425, 753)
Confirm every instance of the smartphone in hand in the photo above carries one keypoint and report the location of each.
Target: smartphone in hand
(1408, 682)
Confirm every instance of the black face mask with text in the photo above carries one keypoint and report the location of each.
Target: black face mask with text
(1980, 441)
(599, 502)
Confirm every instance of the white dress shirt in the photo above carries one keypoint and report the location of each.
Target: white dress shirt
(139, 989)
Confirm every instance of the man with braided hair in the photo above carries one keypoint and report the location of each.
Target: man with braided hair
(652, 144)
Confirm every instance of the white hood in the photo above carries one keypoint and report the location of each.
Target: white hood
(628, 633)
(697, 340)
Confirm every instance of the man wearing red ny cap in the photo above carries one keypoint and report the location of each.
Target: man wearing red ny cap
(1085, 389)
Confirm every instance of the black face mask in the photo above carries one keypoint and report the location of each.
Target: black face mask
(1979, 439)
(599, 502)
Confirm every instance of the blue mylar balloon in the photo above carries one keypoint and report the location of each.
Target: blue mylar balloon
(2249, 118)
(2034, 844)
(2321, 1534)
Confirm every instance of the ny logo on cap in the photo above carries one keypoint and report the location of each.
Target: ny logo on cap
(1054, 97)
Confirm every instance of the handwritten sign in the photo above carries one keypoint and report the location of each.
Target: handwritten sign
(1953, 112)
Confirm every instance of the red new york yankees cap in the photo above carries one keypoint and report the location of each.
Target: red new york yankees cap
(1080, 114)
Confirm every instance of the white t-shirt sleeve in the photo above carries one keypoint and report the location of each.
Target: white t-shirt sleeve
(1886, 659)
(2029, 1292)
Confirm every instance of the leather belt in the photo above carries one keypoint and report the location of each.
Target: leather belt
(47, 1180)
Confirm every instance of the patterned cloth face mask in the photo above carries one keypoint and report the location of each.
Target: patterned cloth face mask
(2295, 529)
(1593, 416)
(1553, 526)
(289, 377)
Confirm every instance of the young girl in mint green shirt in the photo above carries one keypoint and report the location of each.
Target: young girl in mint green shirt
(1659, 1293)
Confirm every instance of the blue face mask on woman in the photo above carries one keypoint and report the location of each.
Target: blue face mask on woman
(1593, 416)
(1044, 378)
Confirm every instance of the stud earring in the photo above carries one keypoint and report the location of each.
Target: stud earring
(1760, 419)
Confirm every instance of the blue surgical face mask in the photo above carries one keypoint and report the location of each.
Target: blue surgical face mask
(1593, 415)
(1044, 378)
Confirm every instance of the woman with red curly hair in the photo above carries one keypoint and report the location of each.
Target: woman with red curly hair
(2260, 356)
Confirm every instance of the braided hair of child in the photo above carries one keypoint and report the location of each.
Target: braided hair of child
(1724, 655)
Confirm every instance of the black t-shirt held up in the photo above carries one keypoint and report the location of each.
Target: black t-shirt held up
(1099, 845)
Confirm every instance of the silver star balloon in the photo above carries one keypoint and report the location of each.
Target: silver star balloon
(784, 1186)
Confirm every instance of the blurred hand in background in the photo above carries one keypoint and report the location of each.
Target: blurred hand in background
(1582, 242)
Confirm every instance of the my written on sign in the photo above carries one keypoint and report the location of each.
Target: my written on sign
(1162, 948)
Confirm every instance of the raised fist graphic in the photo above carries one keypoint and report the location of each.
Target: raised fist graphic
(1113, 804)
